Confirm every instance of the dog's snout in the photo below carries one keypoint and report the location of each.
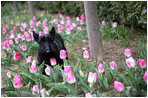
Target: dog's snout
(47, 51)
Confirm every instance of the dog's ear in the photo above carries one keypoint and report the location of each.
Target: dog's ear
(52, 33)
(36, 36)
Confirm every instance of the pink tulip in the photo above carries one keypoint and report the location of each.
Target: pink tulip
(145, 76)
(4, 31)
(86, 54)
(33, 63)
(45, 31)
(11, 31)
(68, 18)
(77, 19)
(17, 82)
(11, 22)
(18, 24)
(60, 26)
(14, 28)
(24, 24)
(28, 38)
(43, 24)
(7, 26)
(74, 24)
(112, 64)
(35, 89)
(103, 22)
(127, 52)
(16, 40)
(23, 37)
(8, 74)
(19, 35)
(92, 77)
(34, 17)
(47, 70)
(81, 22)
(7, 36)
(63, 54)
(45, 20)
(88, 95)
(101, 68)
(63, 18)
(62, 21)
(68, 22)
(53, 61)
(55, 21)
(82, 16)
(33, 69)
(24, 48)
(37, 24)
(67, 69)
(118, 86)
(29, 59)
(67, 26)
(30, 30)
(40, 33)
(60, 15)
(130, 62)
(26, 33)
(115, 24)
(79, 28)
(33, 30)
(5, 45)
(31, 24)
(10, 41)
(16, 55)
(68, 31)
(12, 36)
(3, 26)
(71, 27)
(141, 63)
(42, 92)
(22, 29)
(51, 22)
(70, 78)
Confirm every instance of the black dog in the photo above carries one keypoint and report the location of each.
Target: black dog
(50, 46)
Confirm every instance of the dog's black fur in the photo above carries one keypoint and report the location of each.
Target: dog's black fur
(50, 46)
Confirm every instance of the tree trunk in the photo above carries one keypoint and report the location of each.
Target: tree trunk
(31, 10)
(15, 4)
(93, 29)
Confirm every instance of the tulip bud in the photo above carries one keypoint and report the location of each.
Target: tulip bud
(81, 73)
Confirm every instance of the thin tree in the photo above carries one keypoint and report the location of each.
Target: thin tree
(94, 36)
(16, 6)
(31, 9)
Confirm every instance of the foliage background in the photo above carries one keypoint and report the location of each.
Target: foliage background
(129, 13)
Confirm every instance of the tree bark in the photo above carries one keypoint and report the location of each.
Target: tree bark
(31, 9)
(93, 29)
(16, 6)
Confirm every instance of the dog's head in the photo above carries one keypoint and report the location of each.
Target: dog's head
(46, 43)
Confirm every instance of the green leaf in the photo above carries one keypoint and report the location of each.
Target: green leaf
(28, 76)
(10, 92)
(13, 70)
(105, 82)
(109, 78)
(62, 88)
(9, 81)
(6, 88)
(25, 94)
(84, 87)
